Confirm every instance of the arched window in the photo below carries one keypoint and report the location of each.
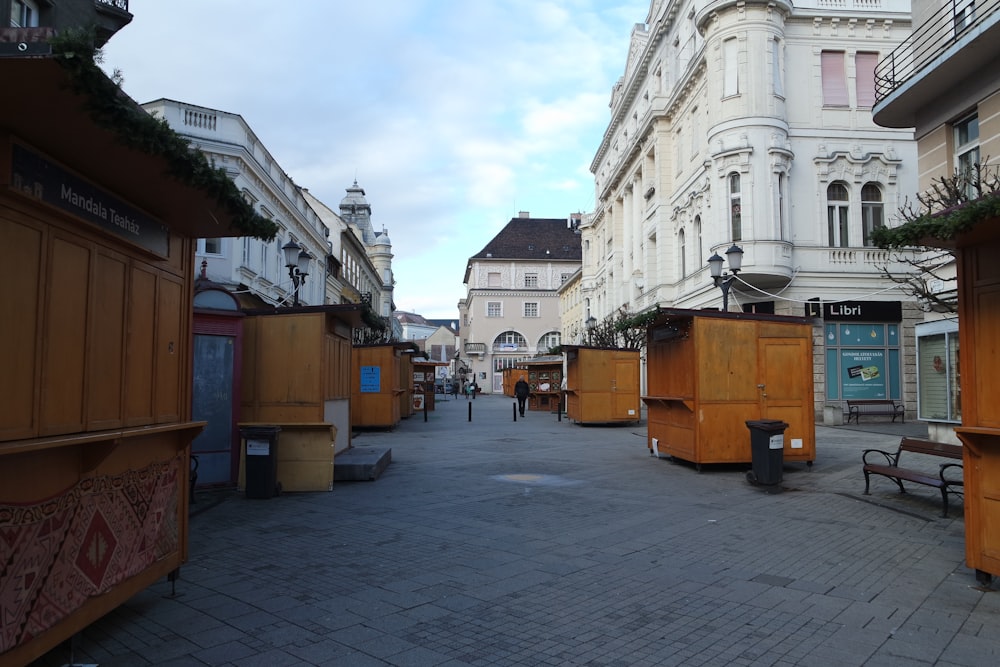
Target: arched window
(549, 341)
(837, 200)
(735, 207)
(872, 216)
(509, 341)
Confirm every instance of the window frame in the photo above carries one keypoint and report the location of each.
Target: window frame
(525, 308)
(869, 207)
(838, 230)
(494, 309)
(735, 205)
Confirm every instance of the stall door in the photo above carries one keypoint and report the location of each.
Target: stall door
(786, 390)
(212, 401)
(625, 389)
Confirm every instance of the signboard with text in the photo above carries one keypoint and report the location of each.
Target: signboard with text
(371, 379)
(863, 374)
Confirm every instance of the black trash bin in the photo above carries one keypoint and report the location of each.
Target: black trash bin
(767, 450)
(261, 467)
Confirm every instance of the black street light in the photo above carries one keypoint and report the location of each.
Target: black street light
(297, 260)
(735, 257)
(591, 324)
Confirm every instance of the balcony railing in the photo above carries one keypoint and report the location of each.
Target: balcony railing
(941, 31)
(117, 4)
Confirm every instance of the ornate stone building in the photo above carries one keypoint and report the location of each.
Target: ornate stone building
(749, 124)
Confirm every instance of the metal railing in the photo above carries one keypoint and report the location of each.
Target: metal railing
(942, 30)
(117, 4)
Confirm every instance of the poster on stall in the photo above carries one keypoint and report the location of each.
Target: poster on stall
(862, 374)
(371, 379)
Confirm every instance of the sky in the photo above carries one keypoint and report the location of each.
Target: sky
(453, 115)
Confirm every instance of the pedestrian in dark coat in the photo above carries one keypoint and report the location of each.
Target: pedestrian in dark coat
(521, 391)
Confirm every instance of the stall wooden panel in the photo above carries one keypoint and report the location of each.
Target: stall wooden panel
(602, 385)
(376, 390)
(20, 256)
(106, 342)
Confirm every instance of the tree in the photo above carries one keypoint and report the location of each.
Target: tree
(953, 204)
(621, 329)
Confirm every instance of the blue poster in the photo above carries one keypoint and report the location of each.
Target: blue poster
(371, 379)
(862, 374)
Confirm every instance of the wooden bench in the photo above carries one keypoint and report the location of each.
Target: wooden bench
(887, 464)
(875, 406)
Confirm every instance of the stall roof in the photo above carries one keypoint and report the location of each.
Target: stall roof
(667, 314)
(41, 110)
(349, 313)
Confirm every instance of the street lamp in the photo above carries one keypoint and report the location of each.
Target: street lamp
(297, 261)
(735, 257)
(591, 324)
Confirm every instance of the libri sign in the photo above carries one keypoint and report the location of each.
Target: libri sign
(863, 311)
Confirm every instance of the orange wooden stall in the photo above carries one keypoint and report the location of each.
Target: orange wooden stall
(96, 261)
(424, 376)
(979, 354)
(296, 375)
(602, 385)
(709, 372)
(378, 386)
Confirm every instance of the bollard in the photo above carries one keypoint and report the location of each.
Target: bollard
(470, 412)
(559, 407)
(425, 409)
(515, 410)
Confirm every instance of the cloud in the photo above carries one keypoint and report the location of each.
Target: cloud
(451, 114)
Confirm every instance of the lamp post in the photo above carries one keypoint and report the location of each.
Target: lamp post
(723, 282)
(591, 324)
(297, 261)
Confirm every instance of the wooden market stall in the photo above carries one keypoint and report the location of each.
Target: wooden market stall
(378, 384)
(544, 375)
(95, 349)
(424, 379)
(709, 372)
(296, 376)
(976, 251)
(602, 385)
(407, 402)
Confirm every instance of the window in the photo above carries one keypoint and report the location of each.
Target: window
(731, 80)
(247, 244)
(967, 153)
(965, 14)
(494, 309)
(834, 79)
(531, 280)
(735, 208)
(549, 341)
(871, 211)
(23, 14)
(776, 81)
(864, 78)
(682, 247)
(697, 238)
(782, 220)
(531, 309)
(209, 246)
(938, 395)
(493, 279)
(509, 341)
(836, 215)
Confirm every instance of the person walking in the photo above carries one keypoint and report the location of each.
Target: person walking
(521, 391)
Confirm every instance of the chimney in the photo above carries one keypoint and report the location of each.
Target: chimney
(523, 214)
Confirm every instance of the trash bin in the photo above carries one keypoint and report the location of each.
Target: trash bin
(767, 450)
(261, 466)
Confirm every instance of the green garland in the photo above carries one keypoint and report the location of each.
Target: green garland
(113, 110)
(941, 226)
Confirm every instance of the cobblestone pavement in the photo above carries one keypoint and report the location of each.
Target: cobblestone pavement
(543, 542)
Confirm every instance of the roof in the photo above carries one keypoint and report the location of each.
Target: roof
(534, 239)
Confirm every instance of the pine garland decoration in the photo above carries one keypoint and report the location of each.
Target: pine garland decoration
(115, 111)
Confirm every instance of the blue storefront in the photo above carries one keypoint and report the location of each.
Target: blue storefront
(862, 340)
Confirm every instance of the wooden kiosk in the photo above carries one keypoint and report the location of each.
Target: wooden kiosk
(96, 261)
(709, 372)
(544, 375)
(424, 379)
(296, 376)
(602, 385)
(377, 385)
(976, 252)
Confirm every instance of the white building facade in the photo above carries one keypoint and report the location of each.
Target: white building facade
(349, 262)
(749, 124)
